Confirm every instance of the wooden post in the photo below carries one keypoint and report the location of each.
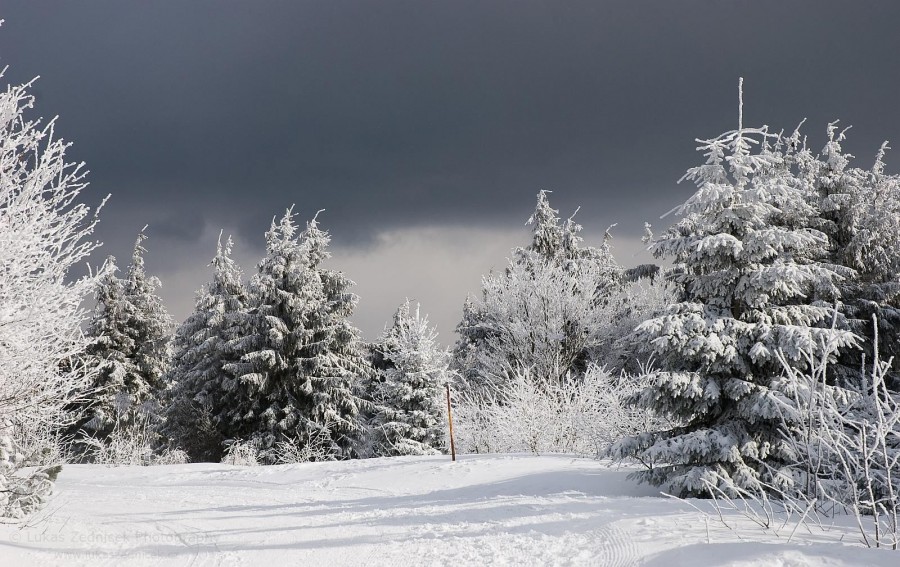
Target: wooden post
(450, 421)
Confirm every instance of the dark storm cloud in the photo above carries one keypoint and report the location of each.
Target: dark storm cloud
(391, 114)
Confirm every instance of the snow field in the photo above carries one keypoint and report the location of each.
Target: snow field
(481, 510)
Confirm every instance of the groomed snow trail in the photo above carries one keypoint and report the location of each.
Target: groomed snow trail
(481, 510)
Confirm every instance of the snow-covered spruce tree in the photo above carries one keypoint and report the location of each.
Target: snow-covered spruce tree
(199, 394)
(130, 333)
(107, 359)
(152, 328)
(44, 232)
(410, 370)
(300, 357)
(546, 312)
(860, 213)
(752, 276)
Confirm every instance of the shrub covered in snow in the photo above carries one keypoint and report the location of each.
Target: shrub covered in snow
(541, 414)
(241, 453)
(845, 444)
(44, 231)
(315, 448)
(132, 444)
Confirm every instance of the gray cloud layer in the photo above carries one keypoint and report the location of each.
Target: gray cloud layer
(404, 116)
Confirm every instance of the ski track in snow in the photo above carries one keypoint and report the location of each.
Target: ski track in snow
(515, 510)
(618, 548)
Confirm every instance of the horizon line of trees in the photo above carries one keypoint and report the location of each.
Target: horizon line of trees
(271, 366)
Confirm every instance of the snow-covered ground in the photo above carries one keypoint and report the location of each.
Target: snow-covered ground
(481, 510)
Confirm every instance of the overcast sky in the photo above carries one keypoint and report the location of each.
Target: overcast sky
(425, 129)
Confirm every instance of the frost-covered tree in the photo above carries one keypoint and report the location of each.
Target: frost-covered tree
(407, 389)
(300, 357)
(755, 287)
(546, 312)
(198, 409)
(860, 213)
(130, 333)
(44, 232)
(629, 304)
(151, 328)
(108, 355)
